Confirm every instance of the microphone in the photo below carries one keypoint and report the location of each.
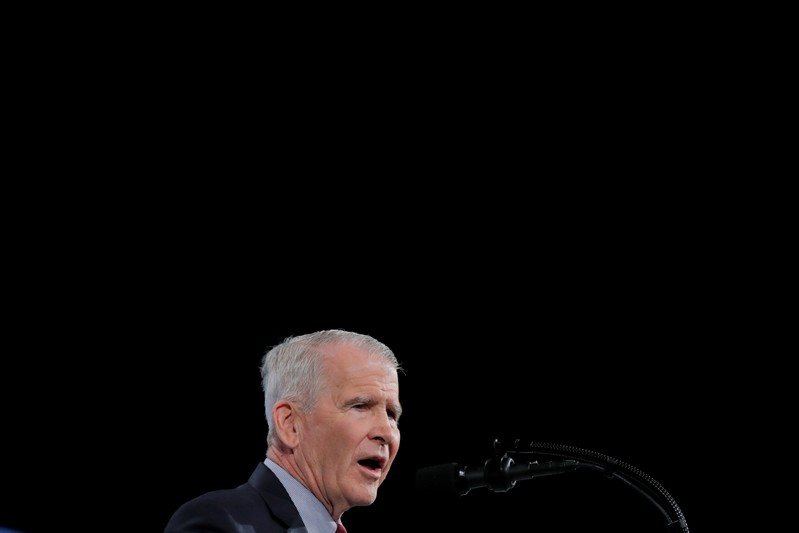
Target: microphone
(499, 474)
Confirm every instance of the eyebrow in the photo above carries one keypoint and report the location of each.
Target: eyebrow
(396, 407)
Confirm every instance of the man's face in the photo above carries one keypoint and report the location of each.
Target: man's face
(348, 442)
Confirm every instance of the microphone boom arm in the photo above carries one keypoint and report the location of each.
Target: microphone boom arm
(501, 473)
(612, 468)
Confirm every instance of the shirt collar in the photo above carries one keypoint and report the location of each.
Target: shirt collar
(313, 512)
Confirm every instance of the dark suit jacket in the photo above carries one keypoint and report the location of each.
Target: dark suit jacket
(261, 505)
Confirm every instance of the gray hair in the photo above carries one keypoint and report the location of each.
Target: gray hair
(292, 370)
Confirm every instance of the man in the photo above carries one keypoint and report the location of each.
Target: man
(332, 407)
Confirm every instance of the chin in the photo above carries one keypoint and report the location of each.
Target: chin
(365, 496)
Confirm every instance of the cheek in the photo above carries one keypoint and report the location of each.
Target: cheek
(321, 430)
(395, 444)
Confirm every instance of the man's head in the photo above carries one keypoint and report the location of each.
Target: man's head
(332, 405)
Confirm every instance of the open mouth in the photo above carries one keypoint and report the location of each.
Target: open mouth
(372, 463)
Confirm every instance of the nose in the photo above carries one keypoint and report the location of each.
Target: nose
(385, 430)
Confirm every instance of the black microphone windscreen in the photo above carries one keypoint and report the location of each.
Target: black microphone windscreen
(438, 480)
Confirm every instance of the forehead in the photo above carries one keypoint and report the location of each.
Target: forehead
(355, 375)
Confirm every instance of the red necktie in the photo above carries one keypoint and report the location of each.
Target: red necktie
(340, 529)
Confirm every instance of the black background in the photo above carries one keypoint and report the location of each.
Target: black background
(149, 395)
(548, 239)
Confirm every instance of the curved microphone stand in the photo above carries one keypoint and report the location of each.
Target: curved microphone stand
(628, 474)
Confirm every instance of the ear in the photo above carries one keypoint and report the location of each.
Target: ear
(286, 417)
